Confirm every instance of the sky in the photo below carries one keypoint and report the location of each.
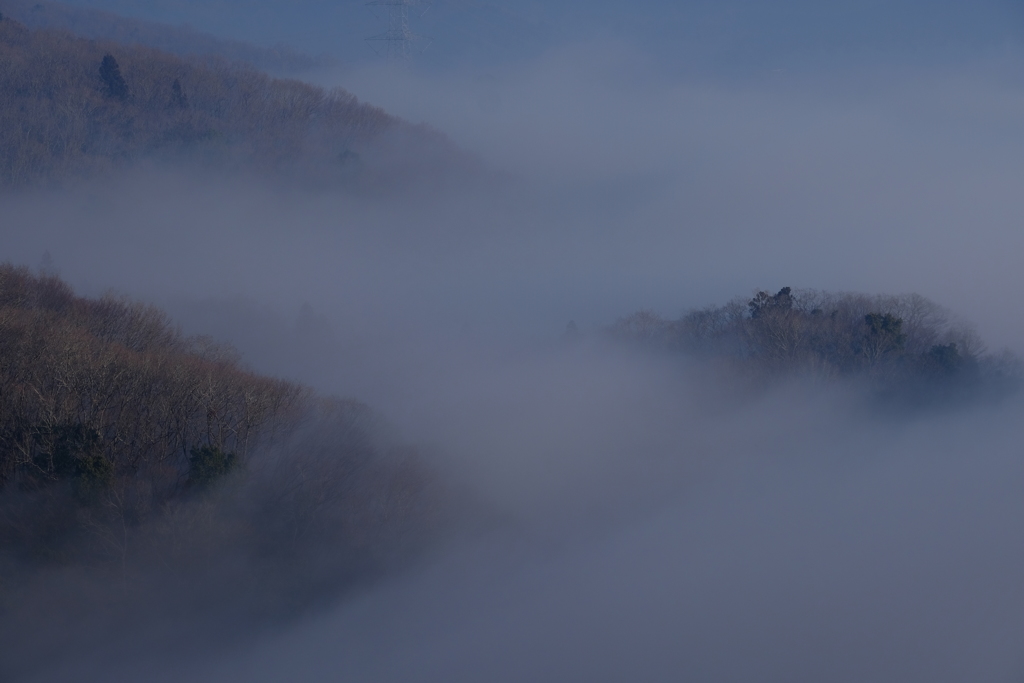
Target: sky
(731, 36)
(657, 520)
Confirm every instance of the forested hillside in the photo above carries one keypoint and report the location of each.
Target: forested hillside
(127, 447)
(74, 107)
(904, 346)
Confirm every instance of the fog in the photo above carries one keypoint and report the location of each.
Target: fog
(822, 557)
(642, 516)
(617, 187)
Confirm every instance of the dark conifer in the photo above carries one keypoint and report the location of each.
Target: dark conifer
(178, 98)
(110, 74)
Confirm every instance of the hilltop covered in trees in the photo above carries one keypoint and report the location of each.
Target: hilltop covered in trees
(72, 107)
(903, 346)
(130, 449)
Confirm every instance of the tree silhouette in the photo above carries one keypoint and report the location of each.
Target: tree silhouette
(206, 464)
(764, 302)
(178, 98)
(110, 74)
(884, 335)
(944, 360)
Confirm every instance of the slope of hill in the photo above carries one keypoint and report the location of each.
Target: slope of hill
(74, 107)
(128, 448)
(183, 41)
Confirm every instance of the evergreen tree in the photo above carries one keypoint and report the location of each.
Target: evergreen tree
(884, 335)
(763, 302)
(206, 464)
(110, 74)
(178, 98)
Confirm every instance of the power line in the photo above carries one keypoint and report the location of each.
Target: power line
(397, 42)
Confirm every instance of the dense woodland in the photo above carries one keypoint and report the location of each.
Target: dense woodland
(72, 107)
(903, 346)
(125, 445)
(100, 389)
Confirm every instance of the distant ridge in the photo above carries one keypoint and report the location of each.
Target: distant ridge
(72, 107)
(908, 349)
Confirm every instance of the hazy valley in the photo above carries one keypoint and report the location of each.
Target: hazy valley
(557, 356)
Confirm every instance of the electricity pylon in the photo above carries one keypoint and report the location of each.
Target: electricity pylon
(398, 39)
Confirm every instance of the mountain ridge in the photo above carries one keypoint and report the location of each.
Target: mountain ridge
(75, 107)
